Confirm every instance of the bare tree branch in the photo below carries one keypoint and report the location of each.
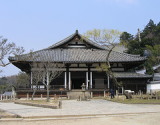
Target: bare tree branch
(52, 74)
(7, 49)
(36, 77)
(45, 72)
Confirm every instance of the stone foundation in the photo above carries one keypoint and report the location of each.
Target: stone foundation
(76, 94)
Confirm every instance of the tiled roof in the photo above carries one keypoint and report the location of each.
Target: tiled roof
(131, 75)
(98, 53)
(79, 56)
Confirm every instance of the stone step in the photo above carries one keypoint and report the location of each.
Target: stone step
(77, 94)
(76, 90)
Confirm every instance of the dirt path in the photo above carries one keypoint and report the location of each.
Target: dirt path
(139, 119)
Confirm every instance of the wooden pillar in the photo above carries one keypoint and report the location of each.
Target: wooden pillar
(91, 80)
(69, 82)
(86, 80)
(122, 90)
(48, 86)
(89, 76)
(65, 80)
(108, 83)
(67, 75)
(31, 78)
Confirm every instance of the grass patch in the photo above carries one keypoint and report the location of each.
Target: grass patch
(135, 101)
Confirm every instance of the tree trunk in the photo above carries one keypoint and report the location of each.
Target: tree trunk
(34, 91)
(47, 93)
(109, 67)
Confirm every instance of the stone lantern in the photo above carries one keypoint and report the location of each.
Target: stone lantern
(83, 87)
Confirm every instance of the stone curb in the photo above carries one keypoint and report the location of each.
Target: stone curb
(38, 105)
(43, 118)
(9, 115)
(86, 115)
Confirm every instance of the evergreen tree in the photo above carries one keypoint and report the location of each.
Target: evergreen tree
(125, 38)
(150, 41)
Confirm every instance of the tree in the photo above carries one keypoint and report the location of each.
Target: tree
(3, 80)
(134, 47)
(153, 58)
(125, 37)
(52, 71)
(109, 39)
(22, 80)
(37, 77)
(3, 84)
(147, 44)
(149, 30)
(149, 36)
(6, 83)
(44, 73)
(12, 80)
(7, 49)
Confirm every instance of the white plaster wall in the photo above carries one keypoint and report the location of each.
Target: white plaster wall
(153, 87)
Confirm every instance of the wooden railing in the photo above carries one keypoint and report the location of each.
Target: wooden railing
(42, 87)
(58, 87)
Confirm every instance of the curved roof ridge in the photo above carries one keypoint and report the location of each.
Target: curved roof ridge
(61, 42)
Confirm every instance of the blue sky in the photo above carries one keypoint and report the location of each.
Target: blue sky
(37, 24)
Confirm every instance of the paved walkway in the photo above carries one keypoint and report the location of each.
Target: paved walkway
(73, 108)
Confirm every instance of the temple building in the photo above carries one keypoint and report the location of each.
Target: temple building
(80, 58)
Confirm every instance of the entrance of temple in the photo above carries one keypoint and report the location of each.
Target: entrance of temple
(77, 78)
(77, 83)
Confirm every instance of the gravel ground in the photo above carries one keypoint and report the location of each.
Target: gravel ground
(73, 108)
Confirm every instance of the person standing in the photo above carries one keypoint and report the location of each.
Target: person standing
(112, 93)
